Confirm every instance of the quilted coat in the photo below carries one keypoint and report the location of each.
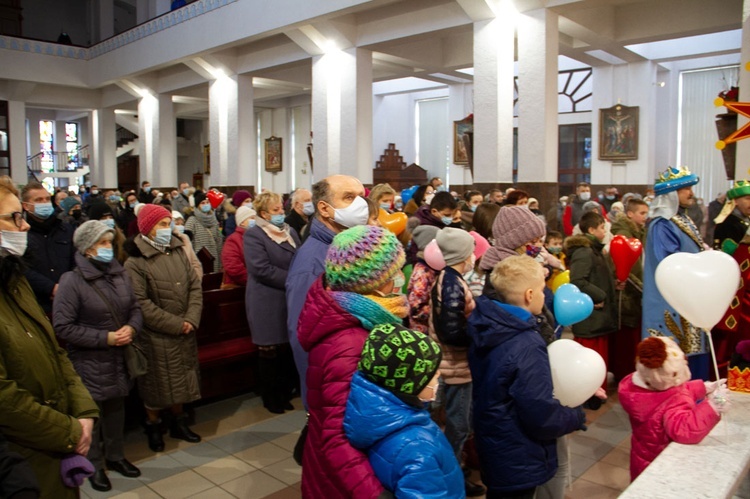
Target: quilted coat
(331, 467)
(265, 295)
(516, 419)
(83, 320)
(169, 292)
(41, 396)
(407, 450)
(48, 256)
(233, 259)
(657, 418)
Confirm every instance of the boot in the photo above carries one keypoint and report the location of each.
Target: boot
(268, 381)
(179, 429)
(153, 432)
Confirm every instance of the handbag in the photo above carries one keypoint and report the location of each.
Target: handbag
(136, 361)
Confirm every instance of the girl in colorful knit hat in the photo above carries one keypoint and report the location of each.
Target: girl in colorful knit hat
(386, 414)
(356, 292)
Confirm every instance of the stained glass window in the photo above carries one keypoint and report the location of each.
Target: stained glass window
(46, 141)
(71, 145)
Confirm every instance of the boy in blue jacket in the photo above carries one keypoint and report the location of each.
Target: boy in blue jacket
(386, 415)
(516, 418)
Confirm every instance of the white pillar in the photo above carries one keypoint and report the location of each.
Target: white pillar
(232, 132)
(342, 114)
(537, 96)
(106, 19)
(157, 131)
(17, 138)
(493, 98)
(103, 148)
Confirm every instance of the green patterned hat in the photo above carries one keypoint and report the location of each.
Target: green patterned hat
(402, 361)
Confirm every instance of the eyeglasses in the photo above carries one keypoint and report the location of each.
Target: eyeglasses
(17, 217)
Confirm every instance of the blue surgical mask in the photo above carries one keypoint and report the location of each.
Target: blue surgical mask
(446, 220)
(104, 255)
(133, 205)
(386, 206)
(398, 206)
(163, 236)
(147, 189)
(473, 207)
(43, 210)
(205, 208)
(186, 192)
(171, 226)
(109, 222)
(114, 198)
(180, 228)
(308, 208)
(278, 220)
(251, 223)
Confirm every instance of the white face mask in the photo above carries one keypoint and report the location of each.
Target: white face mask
(14, 242)
(355, 214)
(428, 198)
(585, 196)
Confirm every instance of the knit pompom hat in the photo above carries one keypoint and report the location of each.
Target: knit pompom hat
(400, 360)
(515, 226)
(149, 216)
(661, 364)
(363, 259)
(89, 233)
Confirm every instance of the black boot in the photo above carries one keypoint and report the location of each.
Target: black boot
(100, 482)
(179, 429)
(155, 440)
(269, 382)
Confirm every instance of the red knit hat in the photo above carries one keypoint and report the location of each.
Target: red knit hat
(150, 216)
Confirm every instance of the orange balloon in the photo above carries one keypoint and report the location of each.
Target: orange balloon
(394, 222)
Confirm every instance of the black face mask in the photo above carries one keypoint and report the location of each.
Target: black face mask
(76, 214)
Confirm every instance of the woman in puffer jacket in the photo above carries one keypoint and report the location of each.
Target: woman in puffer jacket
(343, 305)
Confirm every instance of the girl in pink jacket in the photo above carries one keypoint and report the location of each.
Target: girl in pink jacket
(664, 405)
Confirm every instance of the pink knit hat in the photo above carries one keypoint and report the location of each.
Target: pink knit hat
(149, 216)
(514, 226)
(660, 363)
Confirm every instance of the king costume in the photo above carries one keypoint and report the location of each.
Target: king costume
(671, 231)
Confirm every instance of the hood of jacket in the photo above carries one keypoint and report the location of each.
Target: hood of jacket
(373, 413)
(321, 316)
(425, 217)
(492, 324)
(625, 226)
(573, 243)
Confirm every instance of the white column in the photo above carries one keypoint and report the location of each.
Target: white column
(157, 131)
(106, 18)
(537, 96)
(342, 113)
(743, 146)
(493, 97)
(232, 132)
(17, 138)
(103, 148)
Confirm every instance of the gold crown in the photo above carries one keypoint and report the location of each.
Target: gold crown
(673, 173)
(741, 183)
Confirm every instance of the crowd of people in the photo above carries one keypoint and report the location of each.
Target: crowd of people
(412, 372)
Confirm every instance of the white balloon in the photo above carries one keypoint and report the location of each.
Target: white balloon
(699, 286)
(577, 371)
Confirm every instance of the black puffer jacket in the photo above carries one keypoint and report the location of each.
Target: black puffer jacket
(83, 320)
(48, 256)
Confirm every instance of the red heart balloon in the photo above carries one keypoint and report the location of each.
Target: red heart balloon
(625, 251)
(215, 198)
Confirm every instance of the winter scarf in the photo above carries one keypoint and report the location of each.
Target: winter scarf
(369, 312)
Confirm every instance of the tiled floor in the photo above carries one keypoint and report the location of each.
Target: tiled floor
(247, 453)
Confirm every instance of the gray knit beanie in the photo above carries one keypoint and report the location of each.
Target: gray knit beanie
(89, 233)
(515, 226)
(455, 244)
(423, 234)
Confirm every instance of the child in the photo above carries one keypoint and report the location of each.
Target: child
(440, 212)
(630, 294)
(421, 281)
(386, 415)
(452, 302)
(664, 405)
(590, 271)
(516, 418)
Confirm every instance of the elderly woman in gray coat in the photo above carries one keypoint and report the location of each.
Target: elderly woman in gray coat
(97, 314)
(171, 299)
(269, 249)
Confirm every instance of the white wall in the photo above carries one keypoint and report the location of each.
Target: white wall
(190, 151)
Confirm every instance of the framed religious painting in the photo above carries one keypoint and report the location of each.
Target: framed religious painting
(618, 133)
(273, 154)
(460, 128)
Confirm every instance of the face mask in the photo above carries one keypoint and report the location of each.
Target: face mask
(472, 261)
(398, 283)
(385, 206)
(133, 205)
(114, 198)
(43, 210)
(251, 223)
(103, 255)
(109, 222)
(428, 198)
(399, 206)
(308, 208)
(473, 207)
(555, 250)
(76, 214)
(585, 196)
(185, 192)
(14, 242)
(205, 208)
(180, 228)
(147, 189)
(163, 236)
(532, 250)
(610, 197)
(94, 192)
(446, 220)
(278, 220)
(355, 214)
(171, 226)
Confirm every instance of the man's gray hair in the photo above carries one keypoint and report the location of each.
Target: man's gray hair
(321, 191)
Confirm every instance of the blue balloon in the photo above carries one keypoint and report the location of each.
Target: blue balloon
(572, 306)
(408, 193)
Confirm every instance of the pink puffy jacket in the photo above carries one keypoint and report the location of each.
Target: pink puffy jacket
(658, 418)
(331, 467)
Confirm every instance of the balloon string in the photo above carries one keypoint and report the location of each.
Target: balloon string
(557, 332)
(619, 311)
(713, 353)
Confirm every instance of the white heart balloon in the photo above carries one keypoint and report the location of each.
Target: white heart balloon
(577, 372)
(699, 286)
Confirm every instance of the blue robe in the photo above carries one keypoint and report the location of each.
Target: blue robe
(665, 238)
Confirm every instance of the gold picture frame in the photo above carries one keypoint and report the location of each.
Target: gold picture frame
(273, 154)
(618, 133)
(460, 154)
